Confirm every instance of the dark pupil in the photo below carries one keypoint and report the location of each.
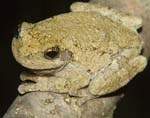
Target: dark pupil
(140, 30)
(52, 54)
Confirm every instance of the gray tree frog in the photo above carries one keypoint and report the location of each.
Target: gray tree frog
(93, 48)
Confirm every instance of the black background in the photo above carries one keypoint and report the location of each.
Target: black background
(136, 102)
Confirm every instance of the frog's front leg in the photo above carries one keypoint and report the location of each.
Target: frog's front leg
(32, 82)
(117, 74)
(68, 80)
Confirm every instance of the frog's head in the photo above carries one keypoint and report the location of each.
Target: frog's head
(36, 50)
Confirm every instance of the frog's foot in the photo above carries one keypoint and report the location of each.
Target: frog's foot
(116, 75)
(83, 100)
(83, 94)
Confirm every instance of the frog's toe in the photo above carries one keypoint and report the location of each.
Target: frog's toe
(28, 77)
(28, 87)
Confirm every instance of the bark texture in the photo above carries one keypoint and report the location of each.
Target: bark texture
(52, 105)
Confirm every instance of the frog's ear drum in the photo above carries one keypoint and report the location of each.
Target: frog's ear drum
(66, 55)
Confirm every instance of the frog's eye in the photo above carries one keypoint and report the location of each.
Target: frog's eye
(51, 53)
(139, 30)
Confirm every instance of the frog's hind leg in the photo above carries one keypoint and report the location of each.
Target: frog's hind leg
(129, 21)
(116, 75)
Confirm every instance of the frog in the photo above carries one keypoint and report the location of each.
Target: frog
(93, 50)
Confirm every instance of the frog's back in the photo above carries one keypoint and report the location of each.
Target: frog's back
(87, 35)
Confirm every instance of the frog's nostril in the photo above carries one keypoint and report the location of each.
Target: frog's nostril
(51, 53)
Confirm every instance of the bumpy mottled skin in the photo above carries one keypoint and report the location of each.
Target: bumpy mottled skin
(99, 50)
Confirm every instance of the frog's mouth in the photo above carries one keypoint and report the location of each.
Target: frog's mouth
(50, 71)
